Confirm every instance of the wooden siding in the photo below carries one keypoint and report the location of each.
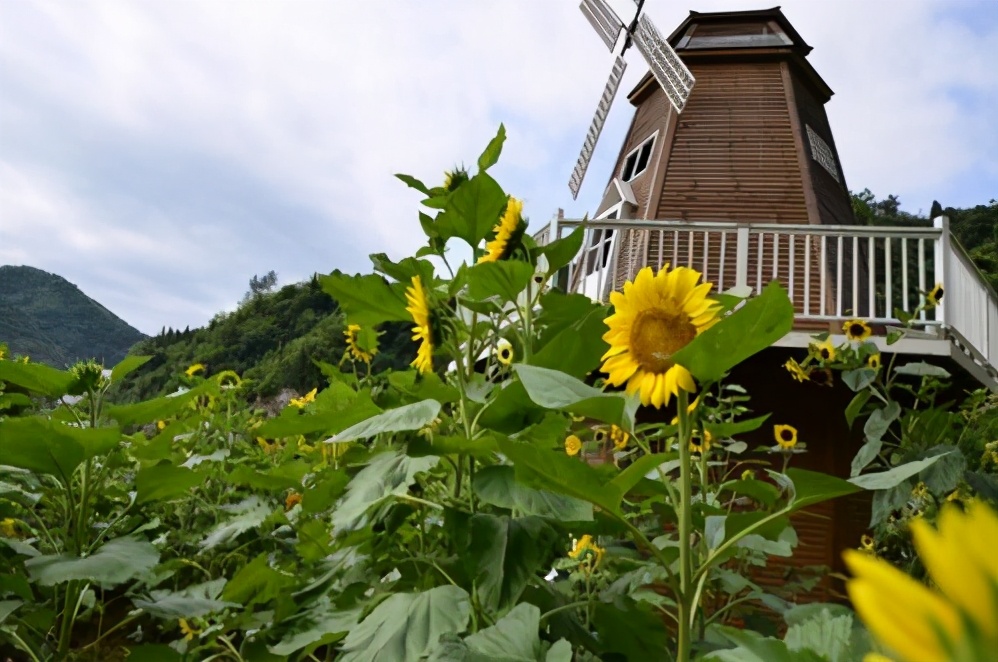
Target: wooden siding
(734, 157)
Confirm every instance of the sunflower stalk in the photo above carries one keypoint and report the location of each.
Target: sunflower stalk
(686, 607)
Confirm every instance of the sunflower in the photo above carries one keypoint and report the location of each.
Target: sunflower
(654, 317)
(292, 500)
(821, 376)
(505, 230)
(351, 335)
(194, 369)
(786, 436)
(8, 527)
(419, 308)
(573, 445)
(934, 296)
(452, 180)
(303, 400)
(824, 350)
(796, 370)
(873, 361)
(867, 543)
(586, 551)
(857, 330)
(619, 437)
(504, 351)
(187, 630)
(957, 621)
(706, 440)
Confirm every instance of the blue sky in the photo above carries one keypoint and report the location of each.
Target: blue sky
(159, 154)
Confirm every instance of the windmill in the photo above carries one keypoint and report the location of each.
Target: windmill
(670, 72)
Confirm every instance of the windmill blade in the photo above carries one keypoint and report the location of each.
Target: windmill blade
(604, 21)
(596, 127)
(670, 72)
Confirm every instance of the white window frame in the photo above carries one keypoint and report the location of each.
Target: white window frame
(650, 141)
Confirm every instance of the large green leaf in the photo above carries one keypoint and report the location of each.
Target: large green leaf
(754, 647)
(163, 482)
(497, 485)
(49, 447)
(190, 602)
(284, 476)
(880, 421)
(561, 251)
(813, 487)
(577, 347)
(407, 626)
(385, 475)
(514, 638)
(256, 582)
(127, 365)
(505, 554)
(755, 326)
(116, 562)
(474, 209)
(367, 300)
(885, 480)
(630, 629)
(832, 636)
(632, 475)
(157, 408)
(346, 408)
(36, 377)
(545, 469)
(321, 623)
(553, 389)
(490, 156)
(504, 279)
(400, 419)
(247, 514)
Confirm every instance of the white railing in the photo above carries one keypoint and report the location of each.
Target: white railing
(831, 272)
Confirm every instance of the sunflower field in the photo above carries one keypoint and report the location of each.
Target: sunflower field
(553, 480)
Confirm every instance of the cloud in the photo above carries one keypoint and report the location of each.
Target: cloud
(159, 154)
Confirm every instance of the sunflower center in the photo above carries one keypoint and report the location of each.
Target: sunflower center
(856, 330)
(656, 335)
(787, 436)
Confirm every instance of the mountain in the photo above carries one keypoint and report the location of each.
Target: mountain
(46, 317)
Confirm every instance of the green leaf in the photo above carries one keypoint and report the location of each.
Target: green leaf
(505, 554)
(367, 300)
(36, 377)
(497, 485)
(553, 389)
(406, 626)
(561, 251)
(813, 487)
(638, 469)
(866, 454)
(922, 369)
(492, 151)
(157, 408)
(553, 470)
(279, 478)
(985, 485)
(473, 210)
(887, 501)
(755, 326)
(828, 636)
(11, 400)
(248, 514)
(631, 629)
(726, 430)
(49, 447)
(578, 345)
(505, 279)
(412, 182)
(400, 419)
(482, 446)
(321, 623)
(387, 474)
(256, 582)
(754, 647)
(404, 270)
(127, 365)
(154, 653)
(116, 562)
(880, 421)
(339, 410)
(885, 480)
(193, 601)
(7, 608)
(945, 474)
(855, 406)
(514, 638)
(859, 379)
(164, 482)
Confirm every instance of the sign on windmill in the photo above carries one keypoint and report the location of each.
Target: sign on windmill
(670, 72)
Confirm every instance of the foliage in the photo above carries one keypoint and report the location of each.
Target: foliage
(436, 513)
(46, 317)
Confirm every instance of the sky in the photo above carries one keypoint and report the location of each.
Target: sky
(158, 154)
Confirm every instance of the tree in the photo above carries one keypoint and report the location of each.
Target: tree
(260, 285)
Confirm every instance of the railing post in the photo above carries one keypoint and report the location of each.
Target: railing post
(741, 257)
(943, 252)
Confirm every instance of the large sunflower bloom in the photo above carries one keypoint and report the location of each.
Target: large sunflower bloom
(352, 337)
(504, 230)
(959, 621)
(419, 308)
(857, 330)
(655, 317)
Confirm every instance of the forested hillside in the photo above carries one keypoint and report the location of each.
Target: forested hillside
(49, 319)
(273, 340)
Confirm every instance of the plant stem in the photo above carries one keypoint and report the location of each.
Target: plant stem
(570, 605)
(685, 531)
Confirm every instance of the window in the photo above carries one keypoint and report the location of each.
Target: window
(599, 246)
(735, 35)
(637, 161)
